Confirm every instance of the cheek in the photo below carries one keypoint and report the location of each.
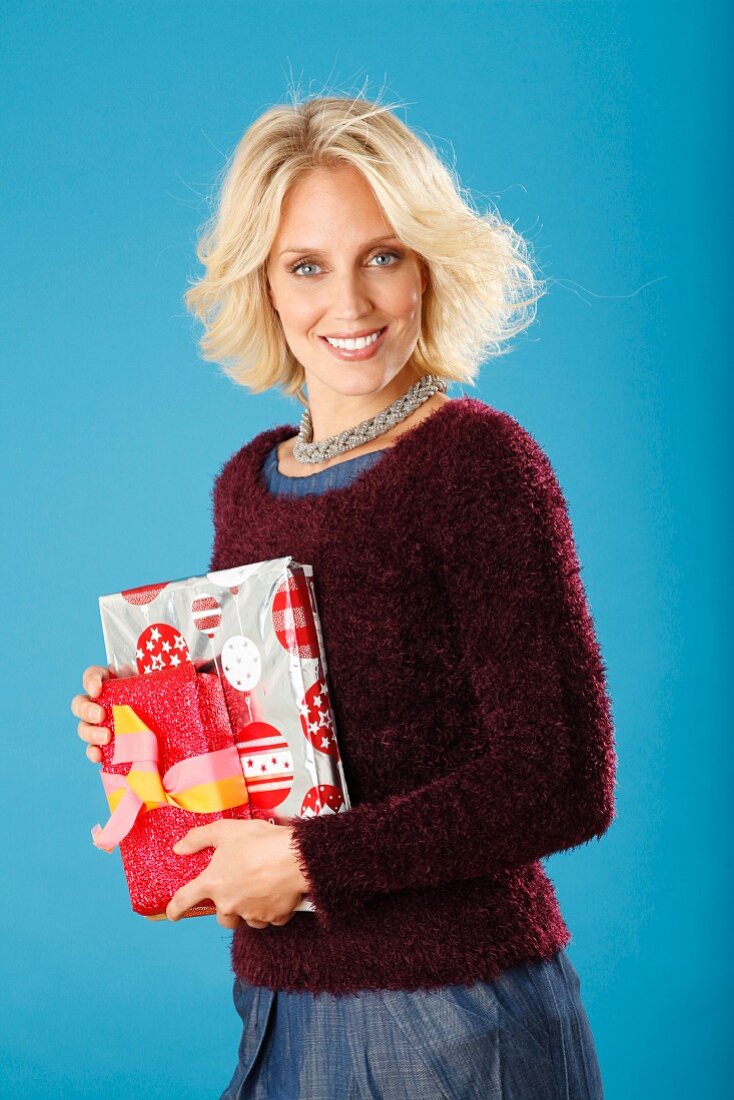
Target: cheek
(297, 312)
(299, 317)
(405, 299)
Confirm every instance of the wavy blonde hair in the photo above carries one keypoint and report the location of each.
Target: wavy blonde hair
(482, 288)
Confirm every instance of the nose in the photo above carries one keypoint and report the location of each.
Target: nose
(349, 294)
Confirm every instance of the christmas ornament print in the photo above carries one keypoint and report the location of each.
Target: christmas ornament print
(324, 799)
(229, 578)
(139, 597)
(256, 626)
(316, 719)
(267, 764)
(207, 614)
(293, 620)
(241, 663)
(160, 646)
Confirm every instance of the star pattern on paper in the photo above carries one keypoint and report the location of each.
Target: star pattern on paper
(322, 800)
(239, 678)
(160, 646)
(282, 763)
(317, 720)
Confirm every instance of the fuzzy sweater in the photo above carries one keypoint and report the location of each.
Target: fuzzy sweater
(469, 696)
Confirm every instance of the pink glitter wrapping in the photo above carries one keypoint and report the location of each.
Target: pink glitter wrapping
(187, 712)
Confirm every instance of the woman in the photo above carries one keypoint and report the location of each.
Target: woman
(466, 680)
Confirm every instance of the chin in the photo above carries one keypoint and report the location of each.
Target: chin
(354, 379)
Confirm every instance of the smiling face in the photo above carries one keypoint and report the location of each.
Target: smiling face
(336, 269)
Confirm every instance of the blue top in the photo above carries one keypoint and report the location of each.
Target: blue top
(333, 477)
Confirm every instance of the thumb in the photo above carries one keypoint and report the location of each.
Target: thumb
(201, 836)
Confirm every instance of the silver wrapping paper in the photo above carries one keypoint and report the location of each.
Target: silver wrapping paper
(258, 627)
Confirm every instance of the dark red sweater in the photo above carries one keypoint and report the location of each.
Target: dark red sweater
(469, 696)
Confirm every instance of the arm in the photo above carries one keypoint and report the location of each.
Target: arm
(224, 517)
(541, 778)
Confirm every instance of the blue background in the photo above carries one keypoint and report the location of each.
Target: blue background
(598, 129)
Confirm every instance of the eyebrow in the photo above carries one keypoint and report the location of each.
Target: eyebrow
(368, 244)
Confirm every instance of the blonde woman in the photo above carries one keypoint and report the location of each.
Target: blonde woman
(344, 264)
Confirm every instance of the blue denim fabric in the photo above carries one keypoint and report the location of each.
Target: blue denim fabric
(333, 477)
(523, 1036)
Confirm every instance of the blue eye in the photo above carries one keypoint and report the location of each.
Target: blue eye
(302, 263)
(378, 254)
(294, 268)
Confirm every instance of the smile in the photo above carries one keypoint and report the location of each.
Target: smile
(360, 347)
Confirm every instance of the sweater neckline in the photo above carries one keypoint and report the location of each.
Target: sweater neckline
(270, 466)
(405, 444)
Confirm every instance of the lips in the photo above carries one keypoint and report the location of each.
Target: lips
(351, 354)
(352, 335)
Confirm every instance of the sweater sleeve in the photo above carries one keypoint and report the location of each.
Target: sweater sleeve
(224, 517)
(540, 778)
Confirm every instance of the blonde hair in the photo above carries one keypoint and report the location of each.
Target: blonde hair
(481, 290)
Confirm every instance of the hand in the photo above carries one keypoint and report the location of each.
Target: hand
(90, 713)
(253, 874)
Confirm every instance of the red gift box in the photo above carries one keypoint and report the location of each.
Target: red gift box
(170, 764)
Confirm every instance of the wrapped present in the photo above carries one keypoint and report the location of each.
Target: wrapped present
(169, 765)
(257, 629)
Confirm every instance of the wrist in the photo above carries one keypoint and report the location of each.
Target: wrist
(298, 878)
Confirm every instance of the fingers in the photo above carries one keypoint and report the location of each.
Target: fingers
(185, 898)
(283, 920)
(232, 920)
(90, 713)
(83, 707)
(94, 754)
(94, 735)
(198, 838)
(92, 678)
(228, 921)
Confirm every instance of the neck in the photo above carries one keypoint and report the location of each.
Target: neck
(333, 412)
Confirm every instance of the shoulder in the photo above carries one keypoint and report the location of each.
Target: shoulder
(493, 443)
(501, 485)
(232, 474)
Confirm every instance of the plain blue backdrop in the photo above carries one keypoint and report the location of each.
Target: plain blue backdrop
(597, 129)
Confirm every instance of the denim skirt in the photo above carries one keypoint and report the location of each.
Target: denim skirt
(523, 1036)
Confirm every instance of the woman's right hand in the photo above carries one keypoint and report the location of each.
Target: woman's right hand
(84, 708)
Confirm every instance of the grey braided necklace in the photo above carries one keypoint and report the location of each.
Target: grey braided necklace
(306, 451)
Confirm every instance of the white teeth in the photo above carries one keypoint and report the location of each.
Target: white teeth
(354, 345)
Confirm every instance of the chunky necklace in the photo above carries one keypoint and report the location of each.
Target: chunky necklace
(305, 450)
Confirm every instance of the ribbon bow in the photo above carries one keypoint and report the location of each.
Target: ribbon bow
(204, 784)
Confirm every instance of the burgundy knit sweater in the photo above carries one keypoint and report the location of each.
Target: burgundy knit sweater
(470, 703)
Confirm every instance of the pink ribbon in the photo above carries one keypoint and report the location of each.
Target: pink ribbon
(143, 785)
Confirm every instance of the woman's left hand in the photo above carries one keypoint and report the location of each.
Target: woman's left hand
(253, 874)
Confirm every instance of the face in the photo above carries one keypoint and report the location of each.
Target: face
(336, 269)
